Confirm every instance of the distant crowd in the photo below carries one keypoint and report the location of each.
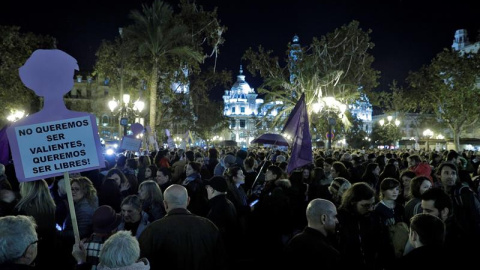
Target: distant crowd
(235, 208)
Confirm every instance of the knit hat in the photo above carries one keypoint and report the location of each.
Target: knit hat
(229, 161)
(218, 183)
(105, 220)
(338, 186)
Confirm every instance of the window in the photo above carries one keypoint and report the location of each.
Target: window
(233, 109)
(242, 109)
(232, 123)
(242, 123)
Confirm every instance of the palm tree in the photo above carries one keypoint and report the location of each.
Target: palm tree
(163, 43)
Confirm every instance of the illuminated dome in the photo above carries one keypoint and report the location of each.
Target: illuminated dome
(240, 88)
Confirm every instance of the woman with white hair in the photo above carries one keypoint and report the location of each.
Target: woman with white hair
(120, 251)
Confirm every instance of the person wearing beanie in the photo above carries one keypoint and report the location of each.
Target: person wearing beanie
(228, 161)
(223, 214)
(105, 222)
(338, 186)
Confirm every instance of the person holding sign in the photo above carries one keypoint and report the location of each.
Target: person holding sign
(85, 202)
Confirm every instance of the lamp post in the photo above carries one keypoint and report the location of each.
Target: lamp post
(329, 105)
(441, 138)
(427, 134)
(126, 107)
(391, 122)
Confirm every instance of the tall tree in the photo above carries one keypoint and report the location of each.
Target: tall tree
(449, 88)
(337, 65)
(172, 46)
(15, 48)
(161, 40)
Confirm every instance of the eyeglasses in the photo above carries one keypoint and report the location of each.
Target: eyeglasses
(367, 205)
(33, 243)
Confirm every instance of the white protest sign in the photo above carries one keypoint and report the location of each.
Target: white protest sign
(131, 144)
(55, 147)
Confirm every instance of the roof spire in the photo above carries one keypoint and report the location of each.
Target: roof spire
(241, 70)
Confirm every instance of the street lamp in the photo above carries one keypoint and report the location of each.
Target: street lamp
(391, 122)
(126, 107)
(329, 104)
(16, 115)
(427, 134)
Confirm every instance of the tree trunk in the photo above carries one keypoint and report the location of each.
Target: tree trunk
(153, 97)
(456, 138)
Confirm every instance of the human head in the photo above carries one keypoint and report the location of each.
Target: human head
(405, 178)
(149, 191)
(192, 167)
(18, 239)
(144, 161)
(150, 172)
(216, 185)
(436, 202)
(273, 173)
(131, 209)
(418, 185)
(322, 215)
(389, 188)
(249, 163)
(448, 174)
(105, 220)
(372, 169)
(235, 175)
(318, 174)
(229, 161)
(119, 250)
(339, 170)
(338, 187)
(426, 230)
(359, 199)
(175, 196)
(414, 160)
(163, 175)
(117, 175)
(82, 187)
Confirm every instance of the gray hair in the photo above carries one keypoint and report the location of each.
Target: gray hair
(176, 196)
(17, 233)
(121, 249)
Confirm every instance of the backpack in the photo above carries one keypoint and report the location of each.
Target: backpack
(475, 204)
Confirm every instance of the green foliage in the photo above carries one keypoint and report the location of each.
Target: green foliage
(448, 87)
(356, 137)
(15, 48)
(336, 65)
(385, 135)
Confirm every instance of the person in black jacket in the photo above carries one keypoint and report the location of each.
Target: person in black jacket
(427, 236)
(314, 244)
(184, 240)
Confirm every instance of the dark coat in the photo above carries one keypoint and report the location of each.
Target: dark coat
(309, 248)
(181, 240)
(426, 257)
(360, 240)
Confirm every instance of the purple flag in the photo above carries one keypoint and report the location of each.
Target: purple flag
(4, 147)
(297, 126)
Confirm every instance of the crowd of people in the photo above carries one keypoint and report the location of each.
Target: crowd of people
(234, 208)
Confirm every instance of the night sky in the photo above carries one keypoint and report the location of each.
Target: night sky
(407, 34)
